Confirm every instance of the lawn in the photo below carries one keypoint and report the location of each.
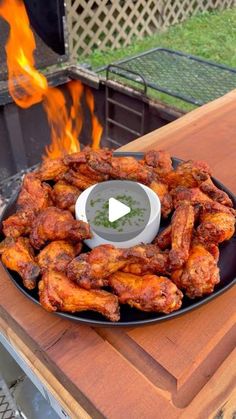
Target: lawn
(210, 35)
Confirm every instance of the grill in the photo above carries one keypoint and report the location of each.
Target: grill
(180, 75)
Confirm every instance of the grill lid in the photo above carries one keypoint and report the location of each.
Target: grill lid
(46, 17)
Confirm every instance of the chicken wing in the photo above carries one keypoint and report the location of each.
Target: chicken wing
(34, 194)
(18, 256)
(56, 256)
(65, 195)
(146, 293)
(52, 169)
(207, 186)
(146, 258)
(161, 189)
(160, 161)
(200, 274)
(86, 155)
(57, 292)
(217, 223)
(90, 173)
(127, 168)
(182, 224)
(77, 179)
(55, 224)
(19, 224)
(186, 173)
(192, 195)
(91, 270)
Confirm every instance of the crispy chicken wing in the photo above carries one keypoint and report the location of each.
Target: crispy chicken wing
(146, 293)
(91, 270)
(77, 179)
(186, 173)
(86, 155)
(55, 224)
(52, 169)
(161, 189)
(34, 194)
(160, 161)
(217, 223)
(146, 258)
(200, 274)
(127, 168)
(182, 224)
(207, 186)
(57, 292)
(90, 173)
(18, 256)
(56, 256)
(19, 224)
(192, 195)
(65, 195)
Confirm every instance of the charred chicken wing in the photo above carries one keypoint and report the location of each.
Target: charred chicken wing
(146, 293)
(146, 258)
(200, 274)
(91, 270)
(18, 256)
(52, 169)
(57, 292)
(77, 179)
(56, 256)
(207, 186)
(186, 173)
(65, 195)
(181, 233)
(55, 224)
(217, 223)
(192, 195)
(34, 194)
(19, 224)
(160, 161)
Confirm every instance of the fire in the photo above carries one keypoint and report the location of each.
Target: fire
(96, 126)
(28, 86)
(65, 126)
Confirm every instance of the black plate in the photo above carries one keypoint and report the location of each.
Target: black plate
(131, 316)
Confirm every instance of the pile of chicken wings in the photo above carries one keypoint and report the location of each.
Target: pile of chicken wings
(44, 242)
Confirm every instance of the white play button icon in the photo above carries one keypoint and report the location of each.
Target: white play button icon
(117, 210)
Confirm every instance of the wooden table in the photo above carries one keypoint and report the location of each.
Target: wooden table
(181, 368)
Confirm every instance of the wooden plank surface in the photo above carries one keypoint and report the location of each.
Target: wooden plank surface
(181, 368)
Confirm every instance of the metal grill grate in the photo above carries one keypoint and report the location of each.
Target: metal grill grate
(183, 76)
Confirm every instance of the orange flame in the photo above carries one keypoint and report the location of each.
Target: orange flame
(65, 127)
(28, 87)
(96, 126)
(26, 84)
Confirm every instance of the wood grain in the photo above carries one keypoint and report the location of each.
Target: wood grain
(181, 368)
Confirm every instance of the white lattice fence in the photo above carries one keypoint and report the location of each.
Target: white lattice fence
(110, 24)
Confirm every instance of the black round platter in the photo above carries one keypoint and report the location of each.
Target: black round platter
(131, 316)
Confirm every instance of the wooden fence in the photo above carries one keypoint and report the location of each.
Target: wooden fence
(106, 24)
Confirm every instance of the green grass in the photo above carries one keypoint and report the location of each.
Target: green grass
(210, 35)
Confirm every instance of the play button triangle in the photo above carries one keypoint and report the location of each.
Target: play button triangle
(117, 210)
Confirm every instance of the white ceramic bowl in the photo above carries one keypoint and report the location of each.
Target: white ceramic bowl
(146, 236)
